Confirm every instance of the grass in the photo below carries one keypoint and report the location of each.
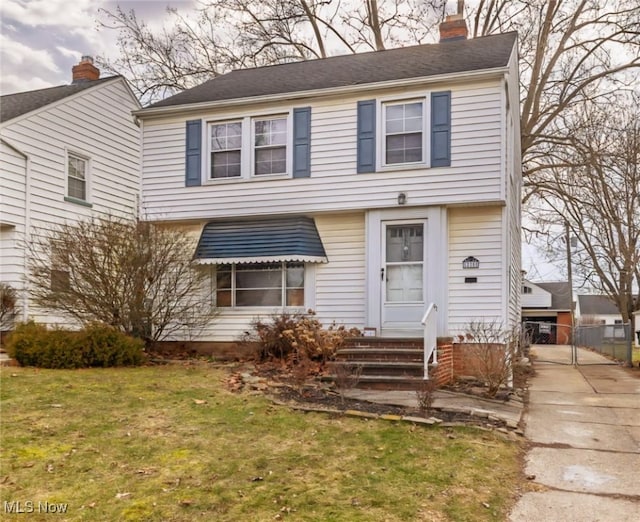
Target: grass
(170, 444)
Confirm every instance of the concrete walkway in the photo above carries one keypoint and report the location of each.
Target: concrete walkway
(508, 412)
(584, 426)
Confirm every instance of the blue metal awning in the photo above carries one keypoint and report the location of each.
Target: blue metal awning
(261, 241)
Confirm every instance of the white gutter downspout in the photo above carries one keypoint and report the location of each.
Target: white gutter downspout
(27, 228)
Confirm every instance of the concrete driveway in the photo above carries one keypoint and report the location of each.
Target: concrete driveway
(584, 427)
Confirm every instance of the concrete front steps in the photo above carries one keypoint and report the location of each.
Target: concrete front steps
(386, 363)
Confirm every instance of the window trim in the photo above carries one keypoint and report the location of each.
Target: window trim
(59, 274)
(87, 177)
(247, 152)
(308, 282)
(210, 152)
(381, 141)
(288, 144)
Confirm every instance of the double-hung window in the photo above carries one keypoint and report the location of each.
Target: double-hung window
(77, 173)
(260, 284)
(403, 132)
(270, 146)
(249, 147)
(226, 150)
(60, 279)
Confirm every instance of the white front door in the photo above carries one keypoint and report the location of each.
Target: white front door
(402, 274)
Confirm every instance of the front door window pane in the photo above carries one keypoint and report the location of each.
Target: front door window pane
(404, 256)
(404, 243)
(404, 283)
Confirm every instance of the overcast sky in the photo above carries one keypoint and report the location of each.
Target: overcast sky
(40, 40)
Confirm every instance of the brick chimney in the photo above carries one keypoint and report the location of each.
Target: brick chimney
(454, 27)
(85, 70)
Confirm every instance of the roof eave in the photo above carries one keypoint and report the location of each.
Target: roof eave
(29, 114)
(330, 91)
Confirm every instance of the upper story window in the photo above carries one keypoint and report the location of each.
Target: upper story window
(77, 175)
(270, 141)
(527, 290)
(399, 133)
(403, 132)
(250, 147)
(226, 150)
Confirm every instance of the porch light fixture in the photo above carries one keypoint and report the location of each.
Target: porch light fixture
(471, 262)
(402, 198)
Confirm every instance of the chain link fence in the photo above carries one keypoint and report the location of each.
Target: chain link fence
(607, 339)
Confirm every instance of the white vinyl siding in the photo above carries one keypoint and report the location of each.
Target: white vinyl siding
(537, 298)
(96, 124)
(474, 176)
(335, 290)
(341, 283)
(475, 232)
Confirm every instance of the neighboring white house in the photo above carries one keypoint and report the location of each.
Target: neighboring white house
(597, 309)
(592, 310)
(364, 187)
(66, 153)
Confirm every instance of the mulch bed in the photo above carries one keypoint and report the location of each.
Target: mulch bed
(276, 382)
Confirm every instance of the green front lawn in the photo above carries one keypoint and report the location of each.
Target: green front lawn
(170, 443)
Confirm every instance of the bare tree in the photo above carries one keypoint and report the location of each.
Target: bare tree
(222, 35)
(136, 276)
(597, 192)
(571, 51)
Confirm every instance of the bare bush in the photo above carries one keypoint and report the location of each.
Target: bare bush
(300, 334)
(490, 351)
(347, 377)
(426, 395)
(8, 302)
(136, 276)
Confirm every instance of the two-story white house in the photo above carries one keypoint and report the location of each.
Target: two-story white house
(365, 187)
(66, 153)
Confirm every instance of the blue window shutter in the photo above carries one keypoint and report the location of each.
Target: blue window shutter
(366, 136)
(302, 142)
(193, 153)
(441, 129)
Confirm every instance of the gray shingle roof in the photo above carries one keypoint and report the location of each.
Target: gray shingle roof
(14, 105)
(487, 52)
(597, 305)
(560, 294)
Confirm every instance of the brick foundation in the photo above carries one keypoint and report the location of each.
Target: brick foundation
(443, 374)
